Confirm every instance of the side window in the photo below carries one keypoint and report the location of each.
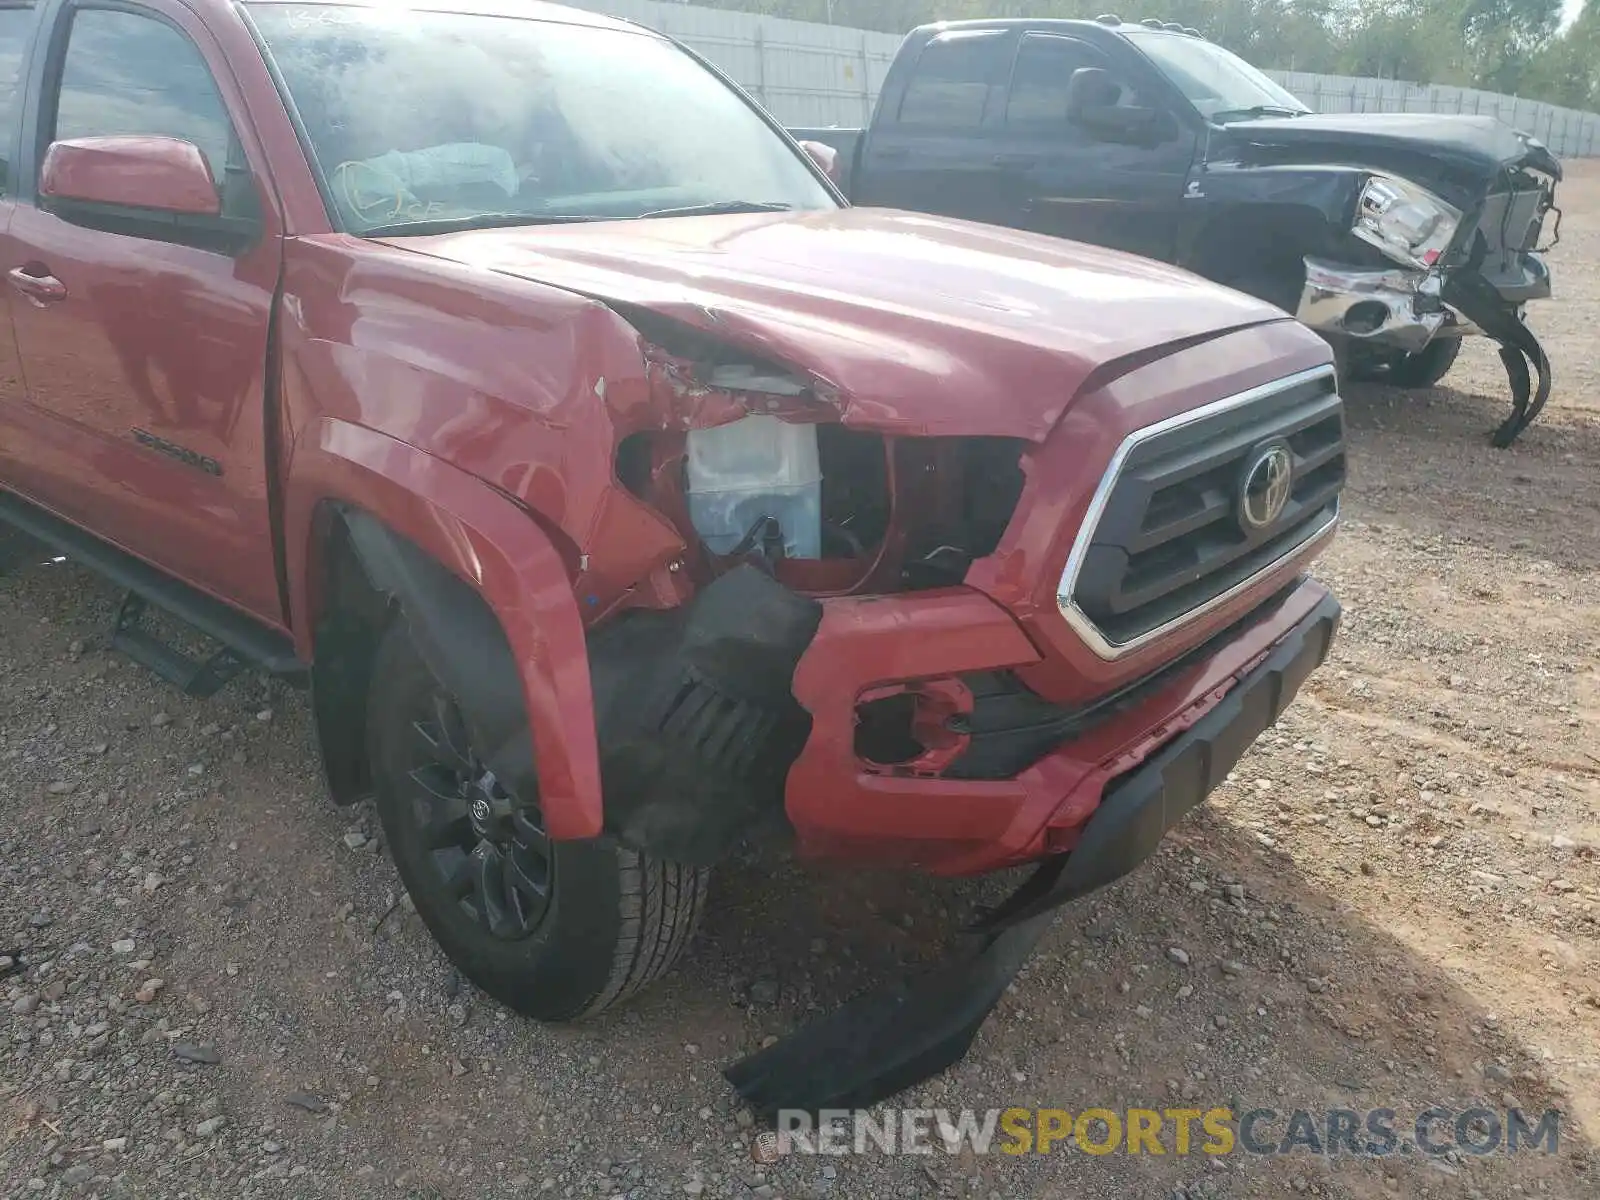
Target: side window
(16, 25)
(131, 74)
(951, 81)
(1044, 66)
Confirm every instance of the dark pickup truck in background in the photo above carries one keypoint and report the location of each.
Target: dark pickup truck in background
(1391, 234)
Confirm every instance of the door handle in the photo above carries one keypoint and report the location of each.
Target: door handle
(42, 289)
(1016, 160)
(892, 152)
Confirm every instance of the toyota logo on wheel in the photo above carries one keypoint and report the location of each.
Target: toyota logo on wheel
(1266, 486)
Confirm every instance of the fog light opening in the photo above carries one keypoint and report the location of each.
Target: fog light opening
(913, 728)
(1366, 318)
(884, 735)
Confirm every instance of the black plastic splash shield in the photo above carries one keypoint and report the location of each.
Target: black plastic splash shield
(1475, 298)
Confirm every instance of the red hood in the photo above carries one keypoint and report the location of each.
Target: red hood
(921, 324)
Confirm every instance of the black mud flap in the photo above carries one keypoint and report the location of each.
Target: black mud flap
(1475, 298)
(693, 710)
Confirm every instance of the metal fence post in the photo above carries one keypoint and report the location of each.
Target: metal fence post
(760, 88)
(866, 84)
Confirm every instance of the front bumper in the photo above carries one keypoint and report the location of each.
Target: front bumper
(896, 1036)
(1398, 308)
(842, 807)
(1138, 808)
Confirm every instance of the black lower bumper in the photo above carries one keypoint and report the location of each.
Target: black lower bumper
(1137, 809)
(891, 1039)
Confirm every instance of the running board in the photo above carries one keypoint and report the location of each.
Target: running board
(244, 641)
(17, 549)
(201, 679)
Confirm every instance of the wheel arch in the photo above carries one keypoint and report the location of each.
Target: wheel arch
(374, 525)
(1251, 240)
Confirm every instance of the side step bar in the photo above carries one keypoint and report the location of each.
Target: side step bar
(245, 642)
(17, 549)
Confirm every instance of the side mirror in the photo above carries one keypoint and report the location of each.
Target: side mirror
(825, 156)
(1092, 106)
(157, 174)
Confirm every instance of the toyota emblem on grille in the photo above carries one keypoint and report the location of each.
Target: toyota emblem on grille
(1264, 491)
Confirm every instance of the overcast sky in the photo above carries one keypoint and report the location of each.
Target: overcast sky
(1570, 10)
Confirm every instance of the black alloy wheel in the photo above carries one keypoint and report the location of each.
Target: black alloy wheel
(557, 930)
(489, 849)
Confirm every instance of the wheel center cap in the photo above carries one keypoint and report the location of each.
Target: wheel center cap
(489, 809)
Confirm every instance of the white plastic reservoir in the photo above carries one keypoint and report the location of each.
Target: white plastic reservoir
(753, 468)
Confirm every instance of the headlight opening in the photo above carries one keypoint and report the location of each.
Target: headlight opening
(1407, 222)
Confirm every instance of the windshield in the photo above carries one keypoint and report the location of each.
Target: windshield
(450, 120)
(1217, 82)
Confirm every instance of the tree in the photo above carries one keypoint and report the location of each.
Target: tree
(1500, 45)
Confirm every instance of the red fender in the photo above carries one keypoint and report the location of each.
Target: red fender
(486, 539)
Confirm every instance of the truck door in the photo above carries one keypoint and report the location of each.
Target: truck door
(1074, 183)
(144, 340)
(927, 148)
(16, 34)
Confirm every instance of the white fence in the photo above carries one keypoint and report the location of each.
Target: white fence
(1571, 134)
(810, 75)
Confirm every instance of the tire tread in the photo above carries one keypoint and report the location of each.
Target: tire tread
(661, 904)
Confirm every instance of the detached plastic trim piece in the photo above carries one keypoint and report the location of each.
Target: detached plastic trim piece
(888, 1040)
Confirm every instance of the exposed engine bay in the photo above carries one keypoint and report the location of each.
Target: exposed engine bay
(778, 505)
(1502, 271)
(769, 478)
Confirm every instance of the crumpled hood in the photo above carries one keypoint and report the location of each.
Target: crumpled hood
(1470, 151)
(919, 324)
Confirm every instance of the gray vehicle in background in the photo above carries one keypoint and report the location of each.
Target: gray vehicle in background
(1393, 235)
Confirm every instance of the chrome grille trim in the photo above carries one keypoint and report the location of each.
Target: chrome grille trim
(1081, 624)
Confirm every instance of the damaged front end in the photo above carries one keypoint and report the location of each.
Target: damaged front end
(780, 506)
(1423, 269)
(841, 636)
(696, 714)
(818, 528)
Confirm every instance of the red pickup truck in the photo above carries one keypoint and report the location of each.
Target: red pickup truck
(506, 375)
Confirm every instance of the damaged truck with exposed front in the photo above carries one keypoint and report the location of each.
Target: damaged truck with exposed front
(1394, 235)
(625, 497)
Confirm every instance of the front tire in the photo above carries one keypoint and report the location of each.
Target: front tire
(1425, 368)
(554, 930)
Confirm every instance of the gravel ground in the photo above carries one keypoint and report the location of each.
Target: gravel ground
(213, 989)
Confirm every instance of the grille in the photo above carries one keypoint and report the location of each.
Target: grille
(1170, 533)
(1511, 221)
